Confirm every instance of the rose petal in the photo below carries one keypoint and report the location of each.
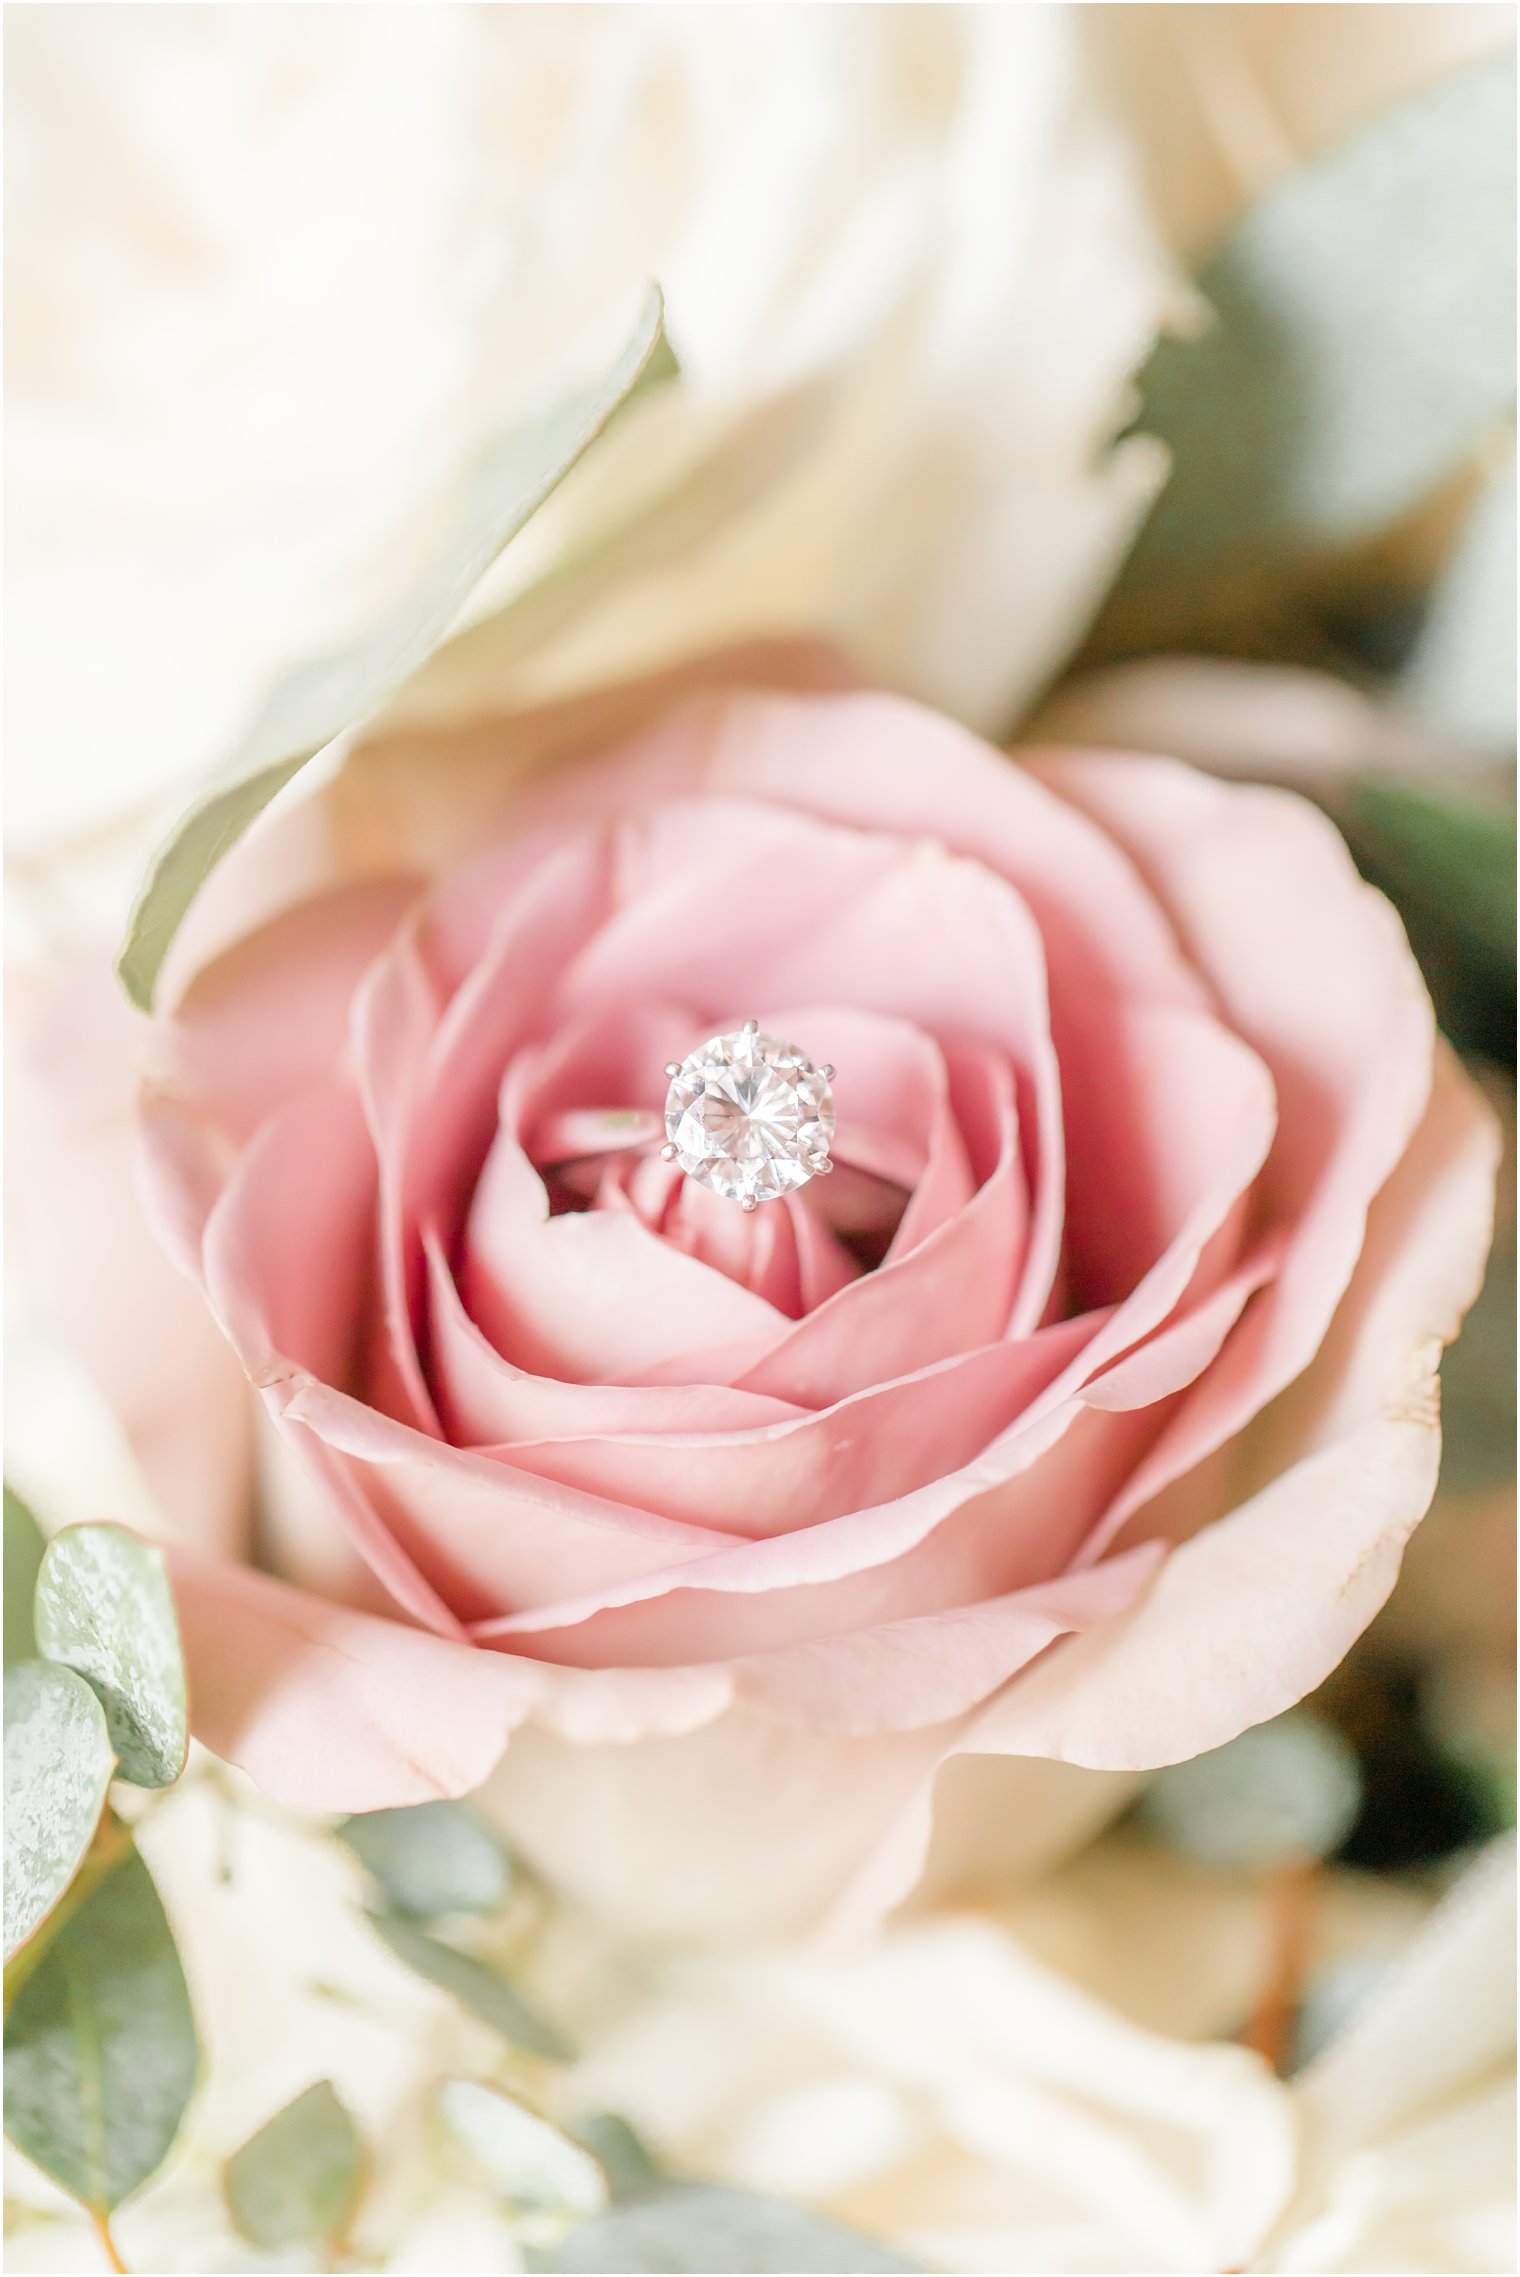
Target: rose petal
(269, 1018)
(486, 1401)
(329, 1709)
(1251, 1613)
(932, 1666)
(804, 1470)
(952, 1290)
(410, 1046)
(1334, 1004)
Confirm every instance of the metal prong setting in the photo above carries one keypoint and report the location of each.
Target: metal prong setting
(827, 1071)
(752, 1027)
(672, 1068)
(822, 1169)
(667, 1152)
(749, 1203)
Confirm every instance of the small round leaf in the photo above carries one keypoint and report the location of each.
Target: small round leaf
(431, 1858)
(58, 1765)
(477, 1987)
(100, 2048)
(104, 1608)
(299, 2180)
(1283, 1792)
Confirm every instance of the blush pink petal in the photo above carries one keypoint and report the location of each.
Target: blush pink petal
(1253, 1611)
(1013, 1517)
(953, 1290)
(880, 764)
(1021, 1509)
(932, 1666)
(411, 1047)
(395, 1016)
(330, 1709)
(285, 1254)
(668, 941)
(269, 1018)
(1230, 1141)
(824, 1265)
(281, 1251)
(594, 1296)
(758, 1249)
(942, 942)
(775, 1479)
(486, 1401)
(484, 1533)
(1312, 968)
(1202, 1119)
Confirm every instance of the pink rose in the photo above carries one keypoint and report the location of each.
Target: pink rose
(1092, 1439)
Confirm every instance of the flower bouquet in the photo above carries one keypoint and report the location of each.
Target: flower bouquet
(757, 1064)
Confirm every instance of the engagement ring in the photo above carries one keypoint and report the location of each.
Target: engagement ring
(749, 1116)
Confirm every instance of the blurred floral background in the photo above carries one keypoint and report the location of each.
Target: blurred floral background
(1138, 377)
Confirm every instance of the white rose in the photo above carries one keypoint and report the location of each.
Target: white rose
(976, 2110)
(276, 273)
(1044, 2090)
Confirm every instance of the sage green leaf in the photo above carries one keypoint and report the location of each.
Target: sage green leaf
(1362, 342)
(620, 2151)
(58, 1765)
(315, 704)
(480, 1989)
(708, 2229)
(24, 1545)
(1460, 677)
(431, 1858)
(1436, 843)
(299, 2180)
(100, 2048)
(1282, 1793)
(1478, 1371)
(1443, 850)
(531, 2163)
(104, 1607)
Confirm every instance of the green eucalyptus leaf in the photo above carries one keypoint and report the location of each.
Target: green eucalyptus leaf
(530, 2162)
(58, 1765)
(317, 703)
(104, 1608)
(1443, 850)
(620, 2151)
(24, 1545)
(1478, 1371)
(480, 1989)
(1460, 677)
(299, 2180)
(1282, 1793)
(1361, 348)
(431, 1858)
(705, 2228)
(100, 2047)
(1438, 843)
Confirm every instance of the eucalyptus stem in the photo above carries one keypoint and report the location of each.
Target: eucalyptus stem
(101, 2225)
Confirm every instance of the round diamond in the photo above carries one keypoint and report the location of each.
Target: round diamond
(750, 1116)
